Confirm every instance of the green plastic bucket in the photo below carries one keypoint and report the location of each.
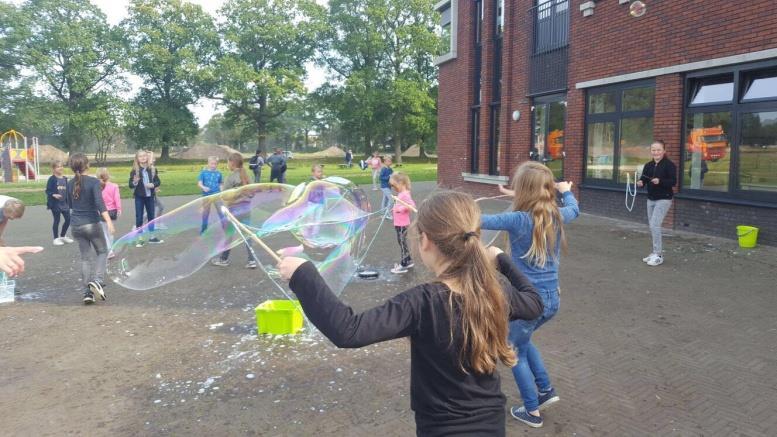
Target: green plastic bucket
(748, 235)
(279, 317)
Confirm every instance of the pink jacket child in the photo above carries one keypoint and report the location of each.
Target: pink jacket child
(111, 198)
(400, 211)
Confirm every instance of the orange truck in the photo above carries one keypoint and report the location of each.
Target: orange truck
(710, 141)
(556, 144)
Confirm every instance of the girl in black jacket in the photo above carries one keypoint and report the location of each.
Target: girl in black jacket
(457, 324)
(144, 181)
(659, 176)
(56, 201)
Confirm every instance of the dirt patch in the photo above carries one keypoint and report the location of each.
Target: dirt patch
(203, 151)
(48, 154)
(331, 152)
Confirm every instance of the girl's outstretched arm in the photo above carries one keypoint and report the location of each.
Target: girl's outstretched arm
(524, 301)
(395, 318)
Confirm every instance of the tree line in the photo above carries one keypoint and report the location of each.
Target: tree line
(64, 70)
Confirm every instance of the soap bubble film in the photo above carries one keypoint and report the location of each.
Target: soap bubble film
(330, 222)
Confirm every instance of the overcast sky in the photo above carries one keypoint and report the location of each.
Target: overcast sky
(116, 10)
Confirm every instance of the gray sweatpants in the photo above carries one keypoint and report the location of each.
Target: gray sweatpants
(90, 236)
(656, 211)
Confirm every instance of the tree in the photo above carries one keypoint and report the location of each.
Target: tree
(383, 51)
(104, 122)
(266, 44)
(151, 123)
(75, 54)
(171, 43)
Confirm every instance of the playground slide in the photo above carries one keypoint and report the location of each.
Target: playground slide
(29, 173)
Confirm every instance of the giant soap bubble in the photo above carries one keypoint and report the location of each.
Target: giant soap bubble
(328, 222)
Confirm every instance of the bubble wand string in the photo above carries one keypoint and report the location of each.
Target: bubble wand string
(493, 197)
(242, 227)
(631, 191)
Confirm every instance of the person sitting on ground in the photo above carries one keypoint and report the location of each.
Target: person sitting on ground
(457, 324)
(11, 208)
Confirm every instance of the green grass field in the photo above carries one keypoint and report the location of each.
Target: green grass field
(180, 178)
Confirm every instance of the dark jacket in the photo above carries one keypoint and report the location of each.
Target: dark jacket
(666, 172)
(442, 395)
(139, 190)
(51, 189)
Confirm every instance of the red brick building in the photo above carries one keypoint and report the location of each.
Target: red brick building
(586, 86)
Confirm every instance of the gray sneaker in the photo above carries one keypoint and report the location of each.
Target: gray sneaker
(520, 414)
(219, 262)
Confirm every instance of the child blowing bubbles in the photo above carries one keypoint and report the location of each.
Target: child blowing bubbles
(400, 182)
(456, 324)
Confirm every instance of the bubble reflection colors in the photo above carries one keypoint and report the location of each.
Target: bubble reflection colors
(323, 221)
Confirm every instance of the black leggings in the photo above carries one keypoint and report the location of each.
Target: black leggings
(404, 252)
(55, 227)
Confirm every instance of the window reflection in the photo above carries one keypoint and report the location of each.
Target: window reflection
(708, 151)
(758, 152)
(601, 146)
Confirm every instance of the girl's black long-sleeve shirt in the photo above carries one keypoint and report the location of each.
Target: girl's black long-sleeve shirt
(666, 172)
(139, 190)
(441, 393)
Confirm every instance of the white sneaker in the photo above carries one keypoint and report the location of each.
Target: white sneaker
(648, 258)
(58, 242)
(67, 239)
(657, 260)
(398, 269)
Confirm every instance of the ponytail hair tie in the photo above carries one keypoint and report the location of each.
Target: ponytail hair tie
(467, 235)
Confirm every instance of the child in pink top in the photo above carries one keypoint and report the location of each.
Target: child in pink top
(112, 201)
(400, 182)
(375, 163)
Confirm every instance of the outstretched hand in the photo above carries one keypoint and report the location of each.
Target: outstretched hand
(493, 251)
(506, 191)
(289, 265)
(11, 261)
(564, 186)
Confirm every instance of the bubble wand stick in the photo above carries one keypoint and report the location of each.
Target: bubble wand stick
(243, 228)
(412, 208)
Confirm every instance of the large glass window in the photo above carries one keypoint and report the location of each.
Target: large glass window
(500, 16)
(477, 89)
(475, 141)
(731, 133)
(548, 139)
(708, 151)
(620, 130)
(758, 152)
(446, 30)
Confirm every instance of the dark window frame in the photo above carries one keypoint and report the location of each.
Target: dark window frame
(547, 100)
(614, 117)
(736, 108)
(475, 116)
(494, 132)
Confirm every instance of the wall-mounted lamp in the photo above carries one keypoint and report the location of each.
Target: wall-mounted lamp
(516, 115)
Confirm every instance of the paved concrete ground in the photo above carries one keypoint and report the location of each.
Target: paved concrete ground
(687, 348)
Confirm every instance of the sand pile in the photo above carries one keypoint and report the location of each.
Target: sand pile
(414, 151)
(49, 154)
(203, 151)
(332, 152)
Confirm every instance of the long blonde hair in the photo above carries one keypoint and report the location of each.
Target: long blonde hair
(136, 163)
(478, 299)
(535, 193)
(237, 162)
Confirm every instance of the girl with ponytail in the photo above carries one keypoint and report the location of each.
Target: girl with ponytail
(536, 233)
(87, 210)
(457, 324)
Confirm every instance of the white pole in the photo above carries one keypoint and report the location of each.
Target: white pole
(26, 161)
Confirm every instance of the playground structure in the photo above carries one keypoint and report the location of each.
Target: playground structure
(16, 153)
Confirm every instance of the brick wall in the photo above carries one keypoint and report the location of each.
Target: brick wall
(606, 44)
(721, 219)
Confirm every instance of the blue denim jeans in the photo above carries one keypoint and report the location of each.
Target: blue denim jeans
(530, 373)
